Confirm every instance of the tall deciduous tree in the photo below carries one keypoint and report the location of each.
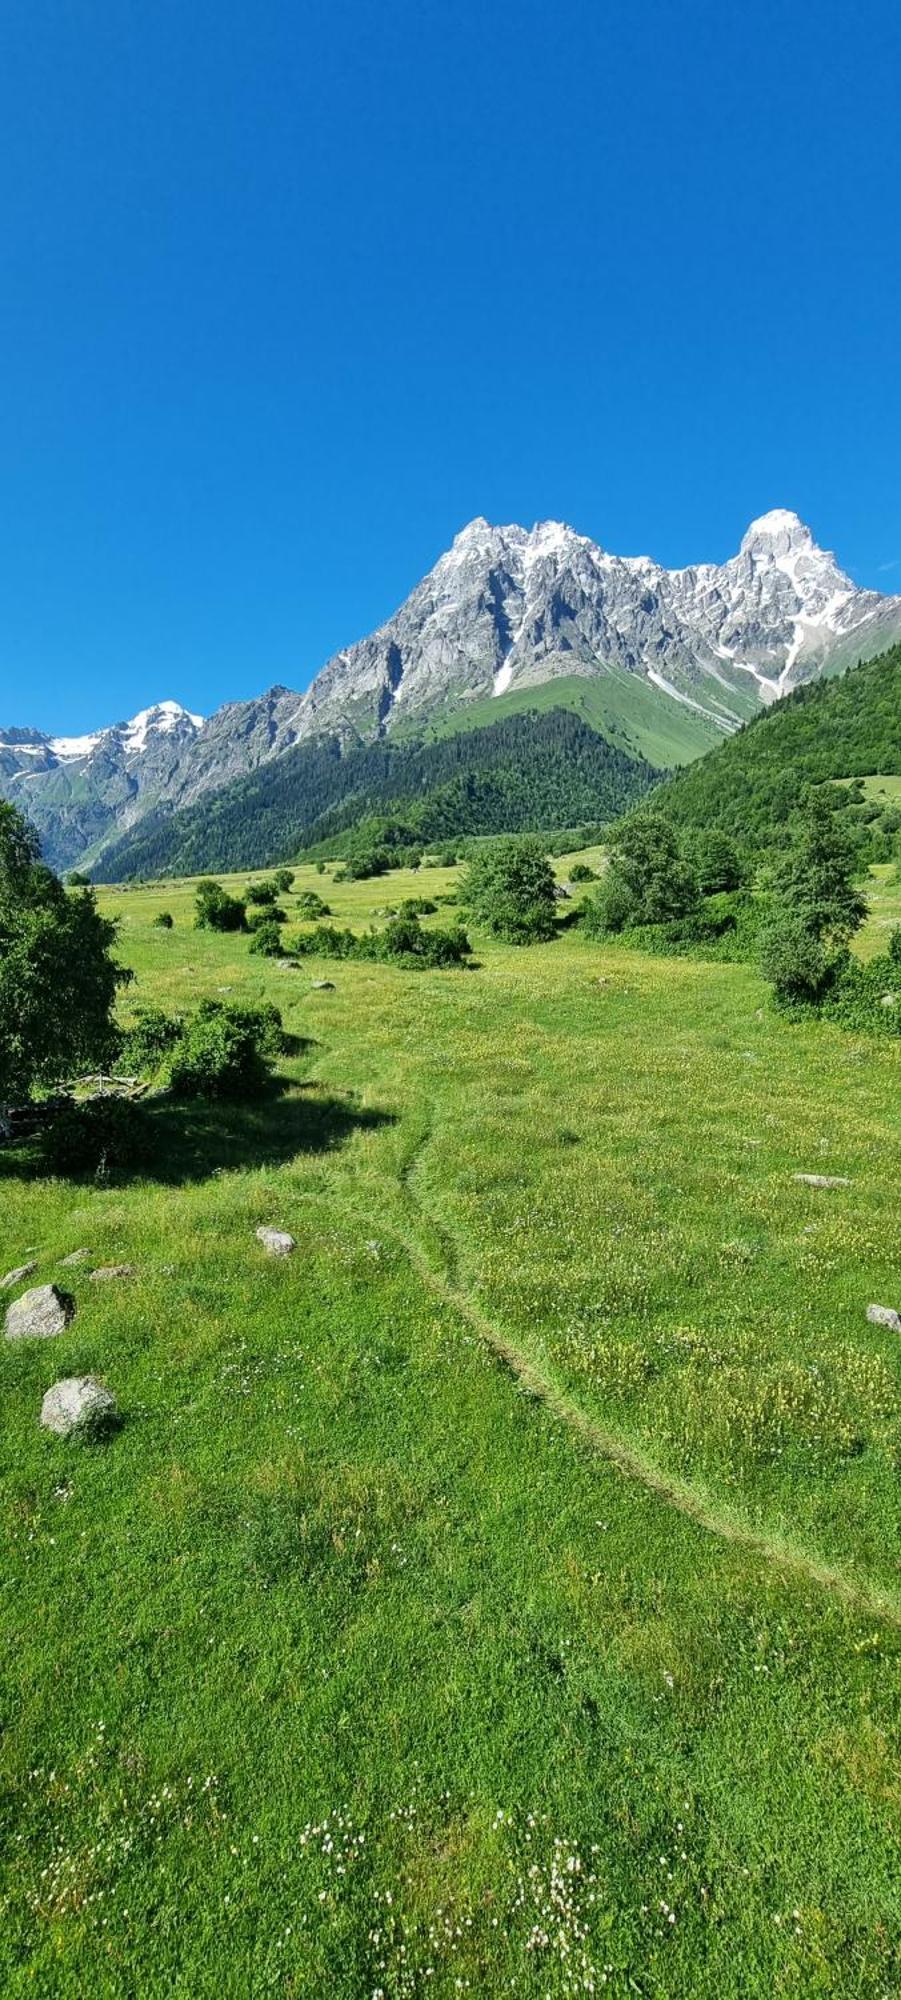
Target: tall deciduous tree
(509, 887)
(58, 979)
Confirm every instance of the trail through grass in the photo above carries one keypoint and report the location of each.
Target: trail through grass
(349, 1668)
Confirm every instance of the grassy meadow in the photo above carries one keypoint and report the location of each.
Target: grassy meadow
(500, 1595)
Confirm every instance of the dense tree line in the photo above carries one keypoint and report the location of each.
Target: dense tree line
(528, 770)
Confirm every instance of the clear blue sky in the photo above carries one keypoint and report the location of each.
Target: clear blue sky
(294, 288)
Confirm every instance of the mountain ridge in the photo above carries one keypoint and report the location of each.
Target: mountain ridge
(504, 610)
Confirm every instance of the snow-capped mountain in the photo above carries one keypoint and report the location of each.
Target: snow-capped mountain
(78, 790)
(504, 610)
(508, 608)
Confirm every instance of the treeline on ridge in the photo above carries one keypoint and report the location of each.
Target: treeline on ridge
(528, 770)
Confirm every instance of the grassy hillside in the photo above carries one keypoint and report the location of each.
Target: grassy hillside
(499, 1595)
(843, 728)
(628, 710)
(547, 769)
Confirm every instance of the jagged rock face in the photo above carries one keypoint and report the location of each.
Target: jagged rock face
(505, 608)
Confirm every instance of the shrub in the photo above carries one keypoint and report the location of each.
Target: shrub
(148, 1040)
(216, 910)
(284, 880)
(310, 906)
(581, 872)
(509, 887)
(261, 893)
(417, 906)
(76, 880)
(402, 941)
(794, 959)
(227, 1051)
(163, 922)
(271, 913)
(266, 940)
(98, 1139)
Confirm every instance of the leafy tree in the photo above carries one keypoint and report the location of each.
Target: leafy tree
(284, 880)
(58, 979)
(216, 909)
(816, 878)
(509, 887)
(648, 881)
(716, 862)
(815, 909)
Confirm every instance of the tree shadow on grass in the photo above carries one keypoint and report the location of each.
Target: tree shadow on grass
(191, 1140)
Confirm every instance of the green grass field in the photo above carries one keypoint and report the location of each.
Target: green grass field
(499, 1596)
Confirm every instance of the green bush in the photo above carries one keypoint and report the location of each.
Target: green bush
(794, 959)
(417, 906)
(284, 880)
(97, 1140)
(311, 907)
(266, 940)
(163, 922)
(509, 887)
(149, 1039)
(261, 893)
(581, 872)
(401, 941)
(226, 1051)
(271, 913)
(216, 910)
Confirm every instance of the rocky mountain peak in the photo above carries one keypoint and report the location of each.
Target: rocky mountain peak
(780, 532)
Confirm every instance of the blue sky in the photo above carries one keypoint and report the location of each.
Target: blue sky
(292, 291)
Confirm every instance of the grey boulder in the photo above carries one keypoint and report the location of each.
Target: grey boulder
(276, 1241)
(75, 1257)
(823, 1180)
(39, 1314)
(78, 1406)
(106, 1272)
(884, 1316)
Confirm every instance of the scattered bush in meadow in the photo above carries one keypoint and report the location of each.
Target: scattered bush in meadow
(216, 910)
(266, 939)
(261, 893)
(311, 907)
(284, 880)
(226, 1051)
(163, 922)
(582, 872)
(149, 1039)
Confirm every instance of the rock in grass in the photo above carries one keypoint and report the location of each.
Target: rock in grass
(75, 1257)
(276, 1241)
(15, 1277)
(39, 1314)
(322, 986)
(104, 1272)
(884, 1316)
(823, 1180)
(79, 1406)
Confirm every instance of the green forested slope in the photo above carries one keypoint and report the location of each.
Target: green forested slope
(527, 770)
(749, 785)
